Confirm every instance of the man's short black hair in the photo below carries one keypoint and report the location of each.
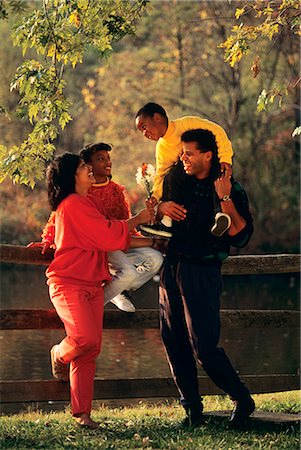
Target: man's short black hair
(206, 142)
(90, 149)
(205, 139)
(150, 109)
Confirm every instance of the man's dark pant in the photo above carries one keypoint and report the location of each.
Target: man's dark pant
(190, 328)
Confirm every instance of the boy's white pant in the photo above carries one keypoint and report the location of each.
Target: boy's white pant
(132, 268)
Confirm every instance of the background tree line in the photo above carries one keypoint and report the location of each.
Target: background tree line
(175, 59)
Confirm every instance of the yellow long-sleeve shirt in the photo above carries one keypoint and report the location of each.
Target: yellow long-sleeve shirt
(169, 147)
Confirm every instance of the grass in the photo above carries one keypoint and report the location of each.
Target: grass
(151, 427)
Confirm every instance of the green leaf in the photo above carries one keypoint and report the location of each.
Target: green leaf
(32, 112)
(262, 101)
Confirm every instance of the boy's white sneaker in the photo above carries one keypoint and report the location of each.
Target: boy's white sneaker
(123, 302)
(157, 229)
(221, 225)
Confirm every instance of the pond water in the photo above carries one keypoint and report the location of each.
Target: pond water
(138, 353)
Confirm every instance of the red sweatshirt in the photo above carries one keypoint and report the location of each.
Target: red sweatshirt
(110, 200)
(82, 238)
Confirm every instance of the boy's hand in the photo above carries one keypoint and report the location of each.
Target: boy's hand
(226, 169)
(173, 210)
(152, 201)
(150, 204)
(44, 245)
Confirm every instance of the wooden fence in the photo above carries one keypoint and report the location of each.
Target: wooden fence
(279, 322)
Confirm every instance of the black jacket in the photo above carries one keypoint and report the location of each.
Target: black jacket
(192, 239)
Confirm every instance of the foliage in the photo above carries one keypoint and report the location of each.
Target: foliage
(60, 31)
(12, 7)
(274, 20)
(265, 156)
(173, 59)
(144, 426)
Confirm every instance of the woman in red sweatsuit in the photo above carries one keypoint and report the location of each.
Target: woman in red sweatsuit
(77, 273)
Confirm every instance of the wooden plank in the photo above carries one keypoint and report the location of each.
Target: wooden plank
(234, 265)
(52, 390)
(19, 254)
(31, 319)
(261, 264)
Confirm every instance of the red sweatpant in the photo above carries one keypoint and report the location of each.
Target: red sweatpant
(81, 310)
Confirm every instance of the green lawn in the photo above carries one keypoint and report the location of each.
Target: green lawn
(152, 427)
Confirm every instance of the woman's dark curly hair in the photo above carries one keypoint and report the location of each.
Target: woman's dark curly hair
(60, 177)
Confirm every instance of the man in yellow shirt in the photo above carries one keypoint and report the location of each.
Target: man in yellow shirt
(154, 124)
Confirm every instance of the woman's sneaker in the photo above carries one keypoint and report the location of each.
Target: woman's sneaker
(123, 302)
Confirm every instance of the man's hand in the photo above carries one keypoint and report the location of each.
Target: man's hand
(173, 210)
(226, 169)
(223, 185)
(44, 245)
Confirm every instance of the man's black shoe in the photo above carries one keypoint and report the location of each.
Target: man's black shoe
(158, 229)
(194, 416)
(241, 412)
(188, 422)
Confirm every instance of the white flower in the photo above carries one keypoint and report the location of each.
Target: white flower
(145, 176)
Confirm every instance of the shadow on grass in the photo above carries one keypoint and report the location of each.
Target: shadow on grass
(151, 432)
(117, 429)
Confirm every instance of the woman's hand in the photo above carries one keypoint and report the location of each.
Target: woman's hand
(44, 245)
(146, 215)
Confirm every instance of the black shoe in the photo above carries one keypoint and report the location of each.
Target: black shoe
(241, 412)
(194, 417)
(158, 229)
(221, 225)
(197, 422)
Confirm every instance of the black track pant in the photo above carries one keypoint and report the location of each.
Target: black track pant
(190, 328)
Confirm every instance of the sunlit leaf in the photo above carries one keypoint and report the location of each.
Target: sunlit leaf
(239, 12)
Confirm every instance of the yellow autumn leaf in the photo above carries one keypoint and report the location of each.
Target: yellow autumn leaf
(239, 12)
(51, 50)
(83, 4)
(75, 19)
(32, 112)
(203, 14)
(91, 83)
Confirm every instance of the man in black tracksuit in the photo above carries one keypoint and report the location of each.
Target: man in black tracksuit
(191, 282)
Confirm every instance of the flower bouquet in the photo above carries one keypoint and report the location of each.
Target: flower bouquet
(145, 177)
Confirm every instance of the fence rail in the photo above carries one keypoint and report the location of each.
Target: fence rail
(39, 319)
(234, 265)
(275, 322)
